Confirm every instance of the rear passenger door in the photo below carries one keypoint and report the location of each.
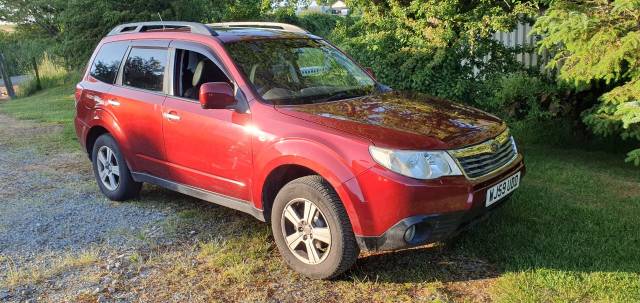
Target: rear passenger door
(137, 101)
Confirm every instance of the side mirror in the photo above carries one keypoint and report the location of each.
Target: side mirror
(216, 95)
(370, 72)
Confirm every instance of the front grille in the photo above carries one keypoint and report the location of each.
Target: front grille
(478, 165)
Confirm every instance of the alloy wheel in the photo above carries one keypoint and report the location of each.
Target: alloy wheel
(306, 232)
(108, 168)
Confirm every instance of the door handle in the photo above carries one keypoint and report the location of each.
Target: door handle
(97, 100)
(113, 102)
(172, 116)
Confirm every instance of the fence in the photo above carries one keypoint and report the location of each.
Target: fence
(521, 36)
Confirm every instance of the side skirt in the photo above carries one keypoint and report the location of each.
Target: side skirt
(241, 205)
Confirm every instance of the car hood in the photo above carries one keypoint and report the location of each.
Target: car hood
(403, 120)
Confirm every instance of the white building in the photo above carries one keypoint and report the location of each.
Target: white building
(337, 8)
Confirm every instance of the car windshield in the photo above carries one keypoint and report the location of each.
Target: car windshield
(299, 71)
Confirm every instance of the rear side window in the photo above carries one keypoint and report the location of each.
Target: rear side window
(145, 68)
(107, 62)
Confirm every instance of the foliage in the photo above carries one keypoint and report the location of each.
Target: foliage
(599, 41)
(19, 48)
(443, 48)
(318, 23)
(522, 95)
(42, 14)
(52, 74)
(71, 29)
(85, 22)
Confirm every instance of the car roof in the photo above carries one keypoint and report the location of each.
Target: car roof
(225, 32)
(233, 34)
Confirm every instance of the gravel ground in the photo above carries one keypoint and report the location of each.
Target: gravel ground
(51, 209)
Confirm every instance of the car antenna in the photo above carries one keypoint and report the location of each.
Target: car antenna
(160, 16)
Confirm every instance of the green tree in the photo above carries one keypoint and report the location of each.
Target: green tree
(40, 13)
(72, 28)
(599, 41)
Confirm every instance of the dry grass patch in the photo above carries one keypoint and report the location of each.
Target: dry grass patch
(44, 267)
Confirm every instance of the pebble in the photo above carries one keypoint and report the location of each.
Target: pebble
(4, 295)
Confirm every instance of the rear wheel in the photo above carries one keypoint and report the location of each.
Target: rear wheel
(312, 230)
(111, 170)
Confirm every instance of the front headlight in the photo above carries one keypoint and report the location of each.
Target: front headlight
(416, 164)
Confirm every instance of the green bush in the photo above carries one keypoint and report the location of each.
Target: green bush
(435, 71)
(442, 48)
(318, 23)
(522, 95)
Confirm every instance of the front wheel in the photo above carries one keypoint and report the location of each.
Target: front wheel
(312, 230)
(111, 170)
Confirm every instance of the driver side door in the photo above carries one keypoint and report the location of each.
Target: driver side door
(208, 149)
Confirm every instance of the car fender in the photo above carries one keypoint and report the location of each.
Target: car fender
(312, 155)
(106, 120)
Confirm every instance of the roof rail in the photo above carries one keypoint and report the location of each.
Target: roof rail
(270, 25)
(139, 27)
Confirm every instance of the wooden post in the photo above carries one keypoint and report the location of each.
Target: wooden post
(35, 68)
(7, 79)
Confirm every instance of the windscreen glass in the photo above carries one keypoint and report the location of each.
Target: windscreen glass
(299, 71)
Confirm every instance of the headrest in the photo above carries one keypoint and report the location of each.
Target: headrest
(197, 74)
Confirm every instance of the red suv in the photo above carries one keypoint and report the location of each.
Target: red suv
(271, 120)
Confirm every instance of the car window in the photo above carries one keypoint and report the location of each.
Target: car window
(192, 70)
(107, 62)
(145, 68)
(299, 71)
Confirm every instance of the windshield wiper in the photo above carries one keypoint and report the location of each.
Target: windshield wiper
(339, 96)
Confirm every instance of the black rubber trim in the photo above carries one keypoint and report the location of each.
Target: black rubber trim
(241, 205)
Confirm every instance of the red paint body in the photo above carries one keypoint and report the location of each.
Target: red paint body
(232, 153)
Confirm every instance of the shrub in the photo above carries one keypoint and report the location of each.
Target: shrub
(442, 48)
(318, 23)
(522, 95)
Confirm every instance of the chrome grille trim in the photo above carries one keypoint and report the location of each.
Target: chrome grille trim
(484, 163)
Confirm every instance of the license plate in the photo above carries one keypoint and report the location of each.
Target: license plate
(502, 189)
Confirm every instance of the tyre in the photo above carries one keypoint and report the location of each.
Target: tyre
(111, 170)
(312, 230)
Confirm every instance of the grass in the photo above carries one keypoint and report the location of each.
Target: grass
(48, 267)
(52, 75)
(569, 234)
(53, 107)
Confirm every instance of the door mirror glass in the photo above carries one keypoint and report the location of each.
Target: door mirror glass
(216, 95)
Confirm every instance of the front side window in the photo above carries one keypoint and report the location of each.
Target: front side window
(145, 68)
(192, 70)
(107, 62)
(299, 71)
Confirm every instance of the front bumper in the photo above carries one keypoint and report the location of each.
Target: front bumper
(428, 229)
(389, 204)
